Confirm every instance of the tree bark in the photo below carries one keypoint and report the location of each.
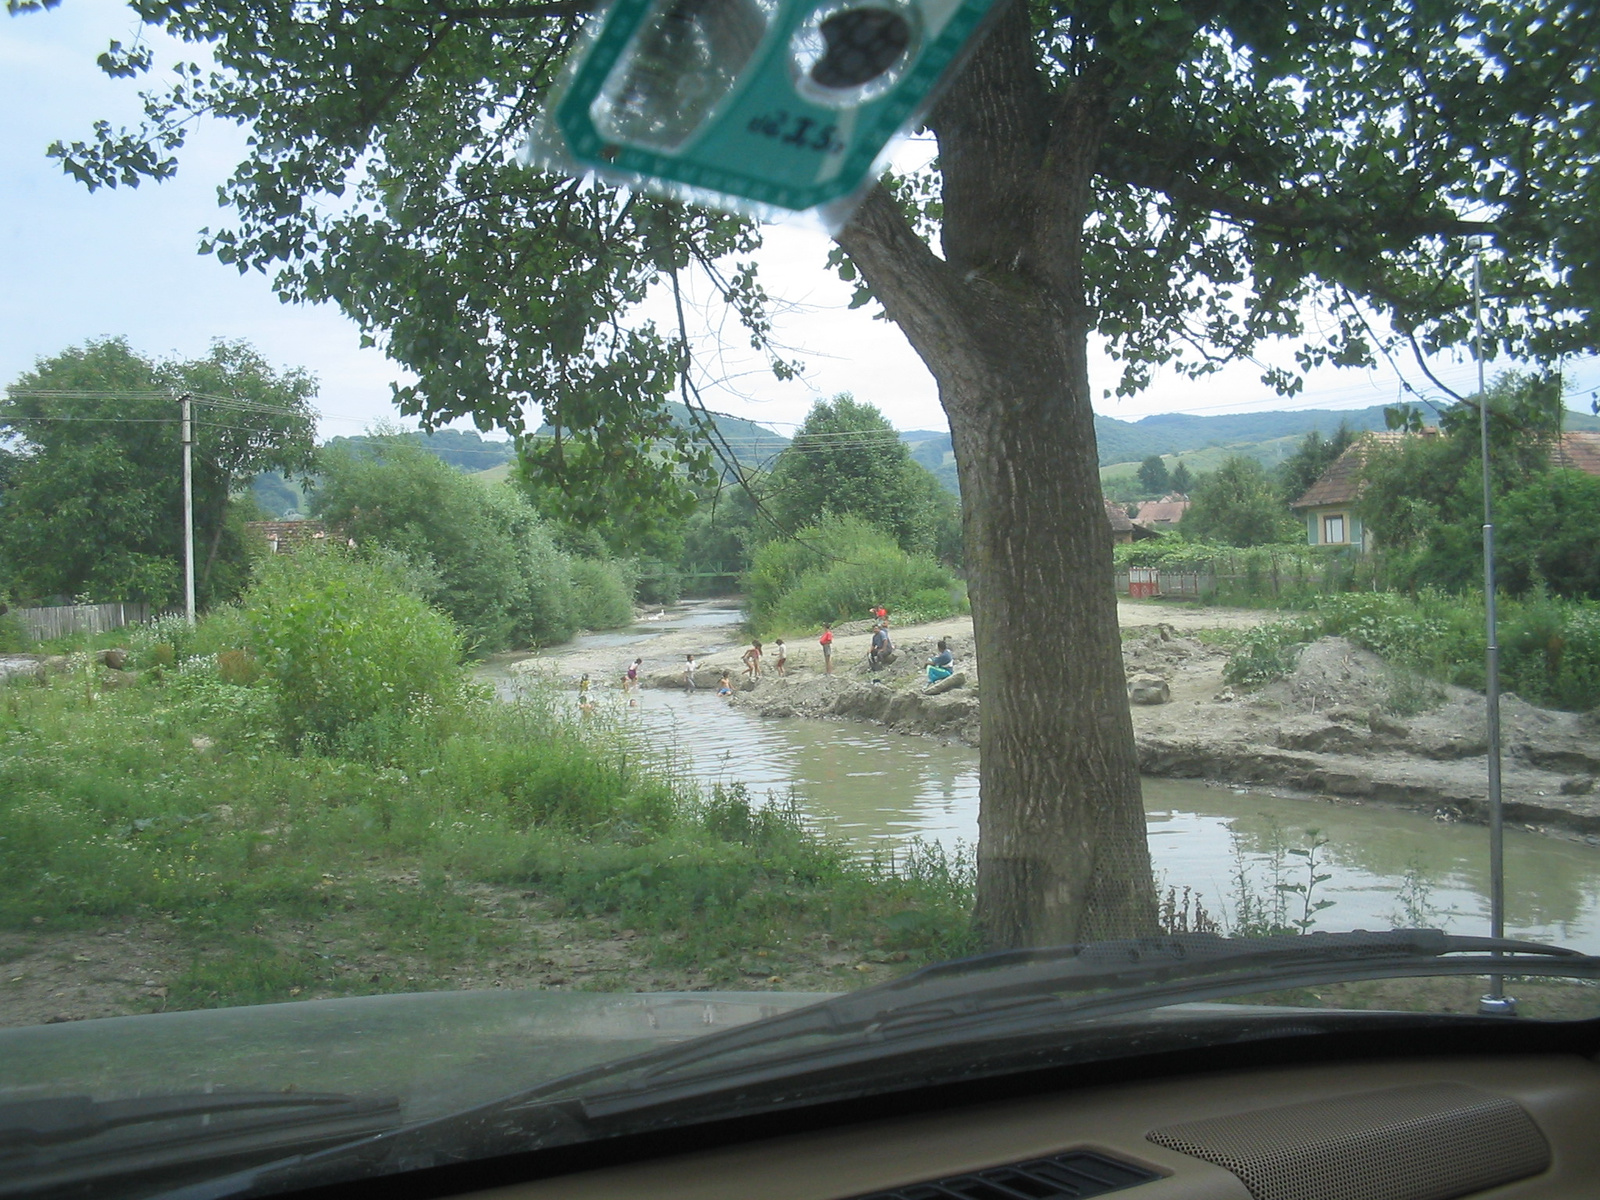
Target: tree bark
(1001, 323)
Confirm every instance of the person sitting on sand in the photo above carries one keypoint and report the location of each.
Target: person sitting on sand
(725, 685)
(942, 664)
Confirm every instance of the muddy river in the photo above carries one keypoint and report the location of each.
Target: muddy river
(878, 790)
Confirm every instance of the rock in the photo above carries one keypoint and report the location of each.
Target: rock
(1148, 689)
(1319, 735)
(948, 684)
(1385, 726)
(1578, 785)
(116, 658)
(118, 679)
(1342, 783)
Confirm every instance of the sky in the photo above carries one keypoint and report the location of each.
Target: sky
(76, 266)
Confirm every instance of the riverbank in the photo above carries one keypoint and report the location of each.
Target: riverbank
(1343, 727)
(163, 850)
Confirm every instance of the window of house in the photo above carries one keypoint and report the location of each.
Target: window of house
(1333, 529)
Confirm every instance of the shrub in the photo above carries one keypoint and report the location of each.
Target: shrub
(13, 639)
(344, 647)
(1266, 652)
(839, 570)
(602, 593)
(479, 553)
(1550, 648)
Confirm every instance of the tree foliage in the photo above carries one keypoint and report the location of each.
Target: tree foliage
(1153, 475)
(1181, 480)
(93, 503)
(1311, 458)
(1422, 497)
(488, 559)
(1237, 505)
(847, 460)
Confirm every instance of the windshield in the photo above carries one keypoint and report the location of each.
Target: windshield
(712, 554)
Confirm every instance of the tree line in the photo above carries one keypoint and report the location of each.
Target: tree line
(1420, 496)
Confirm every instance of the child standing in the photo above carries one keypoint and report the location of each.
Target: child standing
(826, 642)
(782, 656)
(752, 661)
(688, 673)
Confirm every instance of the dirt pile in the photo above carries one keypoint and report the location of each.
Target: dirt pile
(1344, 724)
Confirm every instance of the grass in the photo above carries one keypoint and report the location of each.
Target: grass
(517, 847)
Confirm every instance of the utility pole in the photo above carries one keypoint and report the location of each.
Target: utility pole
(187, 401)
(1496, 1002)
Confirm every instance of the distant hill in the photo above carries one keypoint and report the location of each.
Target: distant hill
(750, 445)
(933, 451)
(1201, 441)
(465, 449)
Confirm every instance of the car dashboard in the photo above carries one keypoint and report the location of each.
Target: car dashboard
(1506, 1126)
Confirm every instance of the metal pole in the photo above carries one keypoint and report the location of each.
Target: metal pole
(188, 509)
(1496, 1002)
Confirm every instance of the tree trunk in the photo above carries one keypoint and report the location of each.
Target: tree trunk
(1001, 322)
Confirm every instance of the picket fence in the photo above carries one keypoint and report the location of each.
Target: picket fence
(41, 624)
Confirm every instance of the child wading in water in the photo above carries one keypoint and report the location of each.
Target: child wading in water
(688, 673)
(782, 656)
(725, 685)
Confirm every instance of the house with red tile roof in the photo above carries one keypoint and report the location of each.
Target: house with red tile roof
(1123, 527)
(1163, 514)
(284, 536)
(1329, 505)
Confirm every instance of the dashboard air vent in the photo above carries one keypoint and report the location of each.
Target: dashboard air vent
(1068, 1176)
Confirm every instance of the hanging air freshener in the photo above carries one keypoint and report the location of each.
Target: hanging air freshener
(754, 105)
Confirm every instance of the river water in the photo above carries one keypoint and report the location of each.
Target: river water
(878, 790)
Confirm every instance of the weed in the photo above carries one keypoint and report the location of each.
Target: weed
(1305, 889)
(1267, 907)
(1415, 899)
(177, 801)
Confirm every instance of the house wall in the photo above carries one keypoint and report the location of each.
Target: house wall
(1316, 526)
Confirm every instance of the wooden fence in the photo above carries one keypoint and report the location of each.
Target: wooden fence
(41, 624)
(1153, 581)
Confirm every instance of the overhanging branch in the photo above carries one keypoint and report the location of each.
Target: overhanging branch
(916, 287)
(1140, 163)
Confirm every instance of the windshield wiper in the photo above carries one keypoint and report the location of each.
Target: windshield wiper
(1004, 993)
(57, 1119)
(80, 1146)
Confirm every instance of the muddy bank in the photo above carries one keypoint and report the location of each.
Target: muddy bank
(1343, 727)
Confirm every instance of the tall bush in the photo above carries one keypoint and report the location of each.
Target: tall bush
(499, 574)
(602, 593)
(350, 655)
(838, 570)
